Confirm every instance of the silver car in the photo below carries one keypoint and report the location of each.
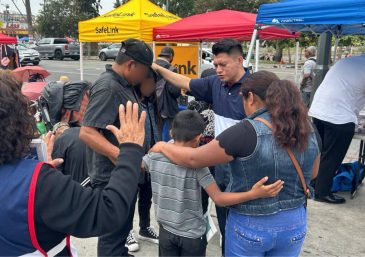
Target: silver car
(109, 52)
(27, 55)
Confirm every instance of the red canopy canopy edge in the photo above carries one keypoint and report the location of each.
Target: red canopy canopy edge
(216, 25)
(4, 39)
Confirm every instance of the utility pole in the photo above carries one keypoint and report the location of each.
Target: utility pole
(29, 16)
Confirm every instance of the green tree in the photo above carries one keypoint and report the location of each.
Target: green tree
(58, 18)
(202, 6)
(180, 8)
(117, 4)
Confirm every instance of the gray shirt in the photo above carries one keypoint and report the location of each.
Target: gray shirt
(177, 195)
(308, 68)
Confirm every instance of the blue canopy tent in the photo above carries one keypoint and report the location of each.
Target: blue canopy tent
(339, 17)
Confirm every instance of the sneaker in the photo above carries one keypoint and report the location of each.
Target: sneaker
(132, 243)
(148, 234)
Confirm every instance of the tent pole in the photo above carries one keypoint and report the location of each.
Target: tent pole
(250, 50)
(257, 56)
(296, 60)
(81, 61)
(200, 59)
(154, 50)
(335, 50)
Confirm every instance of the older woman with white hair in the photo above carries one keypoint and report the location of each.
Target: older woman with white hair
(307, 80)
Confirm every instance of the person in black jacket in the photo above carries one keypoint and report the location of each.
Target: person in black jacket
(69, 147)
(41, 206)
(167, 94)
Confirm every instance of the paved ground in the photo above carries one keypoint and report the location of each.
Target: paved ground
(332, 230)
(92, 68)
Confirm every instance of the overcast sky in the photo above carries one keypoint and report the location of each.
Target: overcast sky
(107, 5)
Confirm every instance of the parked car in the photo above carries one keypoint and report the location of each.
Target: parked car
(28, 55)
(207, 59)
(57, 48)
(109, 52)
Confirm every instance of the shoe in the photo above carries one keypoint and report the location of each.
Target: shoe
(132, 243)
(148, 234)
(337, 197)
(333, 199)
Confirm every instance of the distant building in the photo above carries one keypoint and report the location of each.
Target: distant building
(14, 24)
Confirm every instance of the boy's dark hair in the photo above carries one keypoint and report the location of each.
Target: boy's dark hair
(187, 125)
(228, 46)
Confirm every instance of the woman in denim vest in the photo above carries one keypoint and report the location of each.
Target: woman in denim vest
(272, 226)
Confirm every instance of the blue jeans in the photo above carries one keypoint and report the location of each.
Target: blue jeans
(280, 234)
(222, 178)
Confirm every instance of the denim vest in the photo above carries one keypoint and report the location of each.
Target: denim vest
(269, 159)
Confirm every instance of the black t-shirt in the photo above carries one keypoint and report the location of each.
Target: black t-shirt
(240, 140)
(72, 150)
(63, 207)
(108, 92)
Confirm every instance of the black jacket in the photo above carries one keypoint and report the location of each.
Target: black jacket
(63, 207)
(168, 105)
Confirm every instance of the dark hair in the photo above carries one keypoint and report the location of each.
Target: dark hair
(152, 98)
(282, 98)
(122, 58)
(187, 125)
(208, 72)
(17, 126)
(227, 46)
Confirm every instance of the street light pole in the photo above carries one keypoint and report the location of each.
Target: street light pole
(29, 17)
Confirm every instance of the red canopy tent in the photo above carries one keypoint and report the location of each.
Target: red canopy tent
(4, 39)
(216, 25)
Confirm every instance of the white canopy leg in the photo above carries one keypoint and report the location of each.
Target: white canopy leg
(81, 61)
(250, 50)
(154, 50)
(335, 50)
(257, 56)
(296, 61)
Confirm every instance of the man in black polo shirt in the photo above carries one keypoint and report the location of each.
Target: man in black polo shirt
(112, 88)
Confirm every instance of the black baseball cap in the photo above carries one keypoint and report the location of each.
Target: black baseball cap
(138, 50)
(167, 51)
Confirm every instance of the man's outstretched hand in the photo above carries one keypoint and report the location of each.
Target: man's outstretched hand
(49, 141)
(131, 129)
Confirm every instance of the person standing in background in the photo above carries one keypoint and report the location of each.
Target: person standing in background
(167, 93)
(307, 80)
(335, 109)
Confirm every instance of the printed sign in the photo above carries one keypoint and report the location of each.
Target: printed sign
(185, 59)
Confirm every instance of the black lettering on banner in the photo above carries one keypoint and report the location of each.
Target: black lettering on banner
(187, 68)
(106, 30)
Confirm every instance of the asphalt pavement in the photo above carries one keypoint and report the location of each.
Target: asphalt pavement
(93, 68)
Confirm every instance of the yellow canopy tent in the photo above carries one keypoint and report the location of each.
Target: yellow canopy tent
(135, 19)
